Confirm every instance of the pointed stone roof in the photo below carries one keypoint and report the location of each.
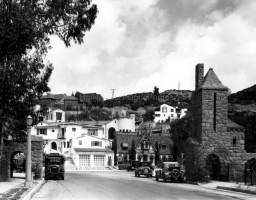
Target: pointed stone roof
(211, 81)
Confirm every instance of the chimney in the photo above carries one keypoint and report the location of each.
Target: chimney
(199, 75)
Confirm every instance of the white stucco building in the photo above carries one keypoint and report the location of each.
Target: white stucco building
(120, 124)
(77, 141)
(165, 112)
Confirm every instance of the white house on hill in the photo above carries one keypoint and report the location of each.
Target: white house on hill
(165, 112)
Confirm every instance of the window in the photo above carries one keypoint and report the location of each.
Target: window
(64, 144)
(93, 132)
(164, 109)
(51, 116)
(171, 115)
(73, 129)
(80, 142)
(234, 141)
(96, 144)
(163, 146)
(67, 144)
(58, 115)
(124, 146)
(42, 131)
(172, 110)
(157, 115)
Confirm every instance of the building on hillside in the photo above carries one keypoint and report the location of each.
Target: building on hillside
(120, 111)
(215, 141)
(55, 115)
(145, 145)
(61, 101)
(89, 98)
(166, 112)
(121, 124)
(141, 111)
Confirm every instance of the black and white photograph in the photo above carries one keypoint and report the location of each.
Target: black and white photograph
(127, 99)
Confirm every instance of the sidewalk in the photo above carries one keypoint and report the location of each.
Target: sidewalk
(15, 189)
(231, 186)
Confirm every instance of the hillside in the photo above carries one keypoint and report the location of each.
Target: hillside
(180, 98)
(242, 110)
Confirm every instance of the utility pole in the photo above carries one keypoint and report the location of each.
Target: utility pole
(113, 92)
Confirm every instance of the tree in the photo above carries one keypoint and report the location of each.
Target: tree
(133, 151)
(25, 28)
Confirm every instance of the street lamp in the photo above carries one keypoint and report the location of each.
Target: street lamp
(28, 182)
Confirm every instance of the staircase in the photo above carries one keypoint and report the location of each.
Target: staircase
(70, 165)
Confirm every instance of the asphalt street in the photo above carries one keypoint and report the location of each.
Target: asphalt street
(122, 185)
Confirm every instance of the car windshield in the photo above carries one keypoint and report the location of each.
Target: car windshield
(171, 164)
(144, 164)
(55, 160)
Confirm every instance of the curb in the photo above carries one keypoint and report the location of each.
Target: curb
(236, 190)
(192, 183)
(34, 190)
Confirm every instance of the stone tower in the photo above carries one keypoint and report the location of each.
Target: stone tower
(210, 105)
(215, 141)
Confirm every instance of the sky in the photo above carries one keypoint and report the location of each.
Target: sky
(136, 45)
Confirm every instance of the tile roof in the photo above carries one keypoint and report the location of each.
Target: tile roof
(70, 98)
(211, 81)
(107, 150)
(90, 123)
(128, 138)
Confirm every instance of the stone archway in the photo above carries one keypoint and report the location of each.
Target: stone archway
(54, 145)
(17, 164)
(213, 166)
(111, 133)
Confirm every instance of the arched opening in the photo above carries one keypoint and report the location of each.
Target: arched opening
(54, 145)
(18, 165)
(111, 133)
(213, 166)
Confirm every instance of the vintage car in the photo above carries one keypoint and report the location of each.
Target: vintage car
(132, 165)
(144, 168)
(54, 165)
(170, 171)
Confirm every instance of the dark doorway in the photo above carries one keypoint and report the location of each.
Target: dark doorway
(145, 157)
(111, 133)
(213, 166)
(18, 165)
(54, 145)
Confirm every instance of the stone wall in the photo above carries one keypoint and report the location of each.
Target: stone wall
(37, 156)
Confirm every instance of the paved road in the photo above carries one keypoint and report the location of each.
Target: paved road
(121, 185)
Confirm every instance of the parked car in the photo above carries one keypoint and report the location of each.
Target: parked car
(170, 171)
(133, 165)
(54, 165)
(144, 168)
